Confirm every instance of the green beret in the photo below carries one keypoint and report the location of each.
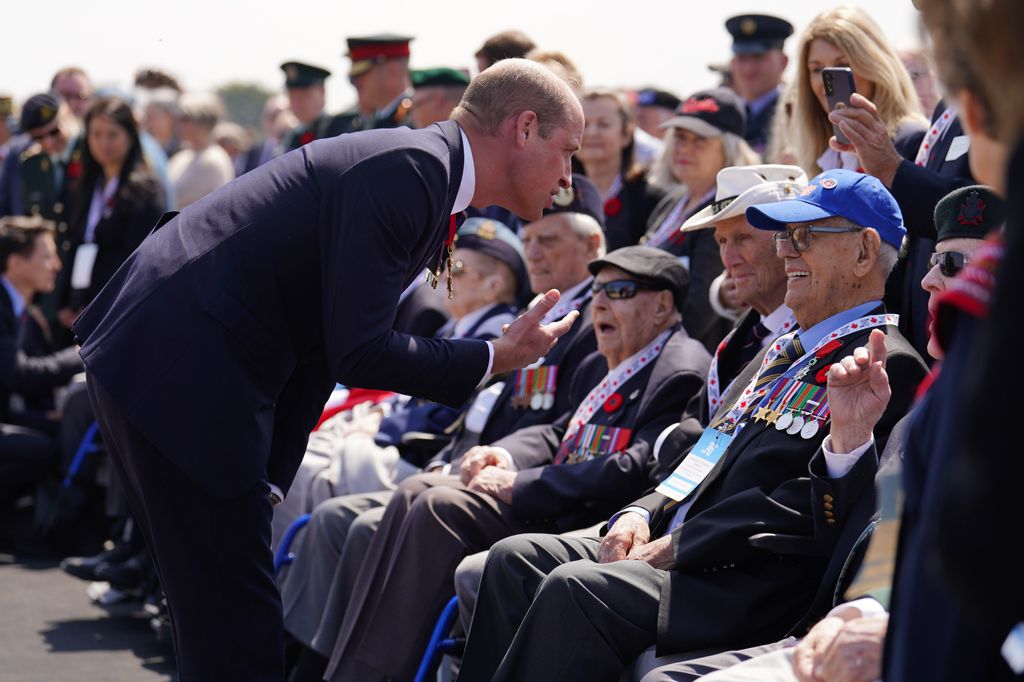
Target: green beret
(970, 212)
(442, 75)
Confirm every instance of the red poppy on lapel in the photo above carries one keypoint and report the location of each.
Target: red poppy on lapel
(822, 376)
(613, 206)
(75, 169)
(613, 403)
(828, 348)
(306, 138)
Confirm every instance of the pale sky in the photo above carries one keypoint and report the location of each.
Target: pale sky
(207, 43)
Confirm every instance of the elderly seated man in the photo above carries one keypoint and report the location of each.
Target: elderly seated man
(679, 568)
(558, 248)
(361, 451)
(759, 285)
(552, 477)
(847, 644)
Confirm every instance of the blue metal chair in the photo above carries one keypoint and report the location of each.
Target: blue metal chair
(439, 644)
(284, 555)
(87, 446)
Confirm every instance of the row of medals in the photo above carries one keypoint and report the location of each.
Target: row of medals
(542, 401)
(792, 423)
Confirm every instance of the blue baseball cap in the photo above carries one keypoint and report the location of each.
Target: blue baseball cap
(860, 198)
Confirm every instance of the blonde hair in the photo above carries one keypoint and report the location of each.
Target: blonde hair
(735, 149)
(854, 33)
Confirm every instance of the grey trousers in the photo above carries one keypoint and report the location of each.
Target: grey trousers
(332, 537)
(547, 611)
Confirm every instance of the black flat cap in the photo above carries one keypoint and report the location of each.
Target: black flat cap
(970, 212)
(38, 111)
(582, 197)
(299, 75)
(650, 265)
(756, 33)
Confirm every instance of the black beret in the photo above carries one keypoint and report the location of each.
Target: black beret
(38, 111)
(970, 212)
(649, 265)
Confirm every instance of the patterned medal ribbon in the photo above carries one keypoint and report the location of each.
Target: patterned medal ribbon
(715, 388)
(940, 126)
(611, 382)
(756, 390)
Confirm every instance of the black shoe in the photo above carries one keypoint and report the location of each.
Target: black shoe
(127, 575)
(85, 567)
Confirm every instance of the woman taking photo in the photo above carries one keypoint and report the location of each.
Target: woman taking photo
(606, 158)
(704, 137)
(118, 201)
(848, 37)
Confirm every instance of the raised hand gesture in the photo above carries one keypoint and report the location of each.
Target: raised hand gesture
(858, 393)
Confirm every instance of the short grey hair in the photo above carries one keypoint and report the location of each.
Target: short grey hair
(585, 227)
(888, 255)
(202, 107)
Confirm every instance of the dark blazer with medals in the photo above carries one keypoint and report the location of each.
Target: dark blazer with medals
(238, 316)
(724, 592)
(574, 495)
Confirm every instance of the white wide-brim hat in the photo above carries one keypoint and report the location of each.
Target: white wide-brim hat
(739, 187)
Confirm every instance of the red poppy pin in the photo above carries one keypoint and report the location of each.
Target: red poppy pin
(613, 403)
(306, 137)
(613, 206)
(75, 169)
(822, 376)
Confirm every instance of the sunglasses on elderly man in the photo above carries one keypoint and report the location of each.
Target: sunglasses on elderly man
(800, 237)
(950, 262)
(622, 288)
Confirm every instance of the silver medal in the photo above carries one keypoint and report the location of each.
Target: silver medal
(794, 428)
(810, 428)
(784, 421)
(537, 401)
(549, 400)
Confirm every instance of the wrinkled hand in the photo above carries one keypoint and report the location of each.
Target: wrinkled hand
(810, 651)
(858, 392)
(728, 296)
(526, 340)
(630, 531)
(495, 482)
(475, 459)
(856, 652)
(870, 139)
(658, 554)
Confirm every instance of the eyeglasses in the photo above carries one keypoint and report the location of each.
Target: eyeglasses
(621, 288)
(39, 137)
(800, 237)
(950, 262)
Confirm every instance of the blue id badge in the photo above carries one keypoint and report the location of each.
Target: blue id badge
(696, 466)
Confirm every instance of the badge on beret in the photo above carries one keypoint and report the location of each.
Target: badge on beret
(486, 230)
(828, 183)
(972, 211)
(47, 112)
(748, 26)
(565, 197)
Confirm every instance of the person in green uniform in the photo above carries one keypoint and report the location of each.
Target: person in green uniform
(435, 93)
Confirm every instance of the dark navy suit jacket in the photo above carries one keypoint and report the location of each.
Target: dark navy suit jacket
(222, 336)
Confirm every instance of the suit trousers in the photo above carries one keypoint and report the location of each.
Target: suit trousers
(212, 556)
(430, 525)
(547, 611)
(307, 589)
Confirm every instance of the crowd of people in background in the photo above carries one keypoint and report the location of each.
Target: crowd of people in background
(686, 485)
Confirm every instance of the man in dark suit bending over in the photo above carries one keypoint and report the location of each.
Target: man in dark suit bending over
(211, 352)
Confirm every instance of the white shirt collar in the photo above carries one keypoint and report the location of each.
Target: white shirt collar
(467, 186)
(773, 321)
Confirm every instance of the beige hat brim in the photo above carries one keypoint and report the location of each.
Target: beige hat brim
(767, 193)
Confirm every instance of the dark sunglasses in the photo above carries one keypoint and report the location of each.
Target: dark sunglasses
(950, 262)
(622, 288)
(50, 133)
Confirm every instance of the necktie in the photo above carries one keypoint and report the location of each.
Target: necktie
(788, 350)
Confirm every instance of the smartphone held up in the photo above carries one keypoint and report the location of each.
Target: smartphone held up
(839, 87)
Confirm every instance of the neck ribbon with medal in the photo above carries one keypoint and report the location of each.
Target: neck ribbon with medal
(444, 259)
(605, 439)
(715, 388)
(535, 386)
(788, 402)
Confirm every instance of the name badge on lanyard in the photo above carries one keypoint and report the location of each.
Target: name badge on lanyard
(696, 466)
(81, 270)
